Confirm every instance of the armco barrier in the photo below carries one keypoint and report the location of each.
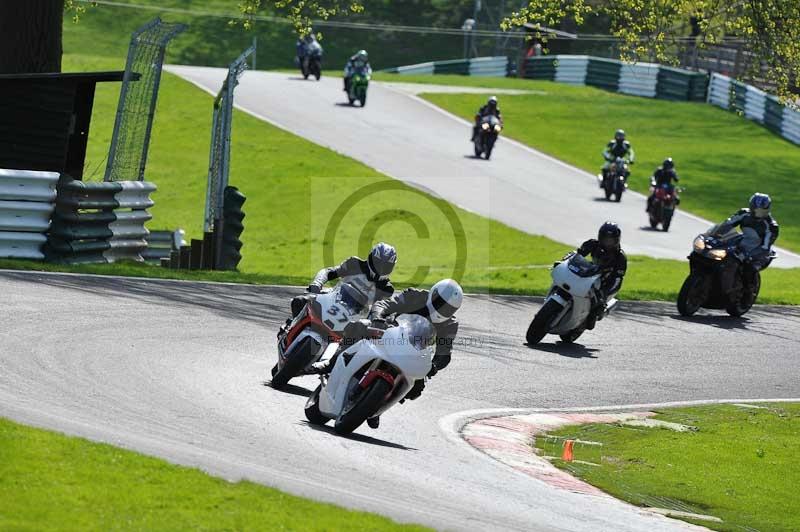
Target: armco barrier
(603, 73)
(572, 69)
(161, 244)
(99, 222)
(26, 205)
(755, 105)
(543, 67)
(638, 79)
(682, 85)
(489, 66)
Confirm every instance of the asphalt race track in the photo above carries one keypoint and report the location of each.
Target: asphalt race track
(177, 370)
(412, 140)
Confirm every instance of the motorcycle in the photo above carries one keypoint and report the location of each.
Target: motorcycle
(488, 131)
(614, 180)
(662, 208)
(713, 255)
(311, 62)
(568, 305)
(322, 320)
(359, 83)
(373, 374)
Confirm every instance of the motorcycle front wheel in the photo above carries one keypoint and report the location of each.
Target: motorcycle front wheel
(541, 322)
(667, 220)
(363, 407)
(690, 297)
(313, 415)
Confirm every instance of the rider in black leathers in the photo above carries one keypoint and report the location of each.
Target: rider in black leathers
(664, 175)
(606, 253)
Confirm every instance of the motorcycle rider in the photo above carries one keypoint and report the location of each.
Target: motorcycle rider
(360, 60)
(371, 276)
(606, 253)
(439, 305)
(490, 109)
(760, 232)
(663, 175)
(306, 45)
(617, 147)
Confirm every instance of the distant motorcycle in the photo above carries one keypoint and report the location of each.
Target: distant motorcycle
(712, 254)
(321, 321)
(572, 297)
(614, 180)
(311, 63)
(662, 209)
(373, 374)
(488, 131)
(359, 83)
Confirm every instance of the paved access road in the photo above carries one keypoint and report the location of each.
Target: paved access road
(177, 370)
(409, 139)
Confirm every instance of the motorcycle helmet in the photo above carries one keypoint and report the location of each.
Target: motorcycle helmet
(619, 136)
(609, 236)
(382, 259)
(492, 103)
(444, 300)
(760, 205)
(362, 55)
(668, 164)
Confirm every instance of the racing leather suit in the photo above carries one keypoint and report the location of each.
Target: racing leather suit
(759, 236)
(616, 149)
(415, 301)
(613, 265)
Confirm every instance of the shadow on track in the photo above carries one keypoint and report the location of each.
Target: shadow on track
(359, 437)
(345, 104)
(566, 350)
(721, 322)
(291, 389)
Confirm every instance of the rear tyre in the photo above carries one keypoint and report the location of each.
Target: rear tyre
(478, 151)
(608, 194)
(274, 369)
(299, 357)
(542, 321)
(313, 415)
(746, 302)
(653, 222)
(667, 221)
(618, 197)
(351, 100)
(690, 298)
(571, 336)
(364, 407)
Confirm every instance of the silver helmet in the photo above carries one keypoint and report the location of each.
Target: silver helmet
(444, 300)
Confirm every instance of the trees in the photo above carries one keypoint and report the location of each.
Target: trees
(660, 31)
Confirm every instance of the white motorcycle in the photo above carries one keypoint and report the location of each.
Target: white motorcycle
(569, 303)
(303, 340)
(373, 374)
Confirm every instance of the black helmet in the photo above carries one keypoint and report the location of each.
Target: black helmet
(760, 205)
(608, 236)
(492, 103)
(619, 136)
(668, 164)
(382, 259)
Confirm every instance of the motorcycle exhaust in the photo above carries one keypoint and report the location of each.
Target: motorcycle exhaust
(610, 305)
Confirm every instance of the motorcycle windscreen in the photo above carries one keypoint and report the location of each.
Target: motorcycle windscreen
(582, 267)
(417, 330)
(351, 298)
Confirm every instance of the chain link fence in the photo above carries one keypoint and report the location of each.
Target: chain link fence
(137, 100)
(219, 158)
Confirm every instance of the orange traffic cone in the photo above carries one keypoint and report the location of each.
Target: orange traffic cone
(567, 454)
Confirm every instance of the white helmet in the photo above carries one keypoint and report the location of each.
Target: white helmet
(444, 300)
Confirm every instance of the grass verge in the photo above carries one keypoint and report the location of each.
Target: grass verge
(49, 481)
(293, 188)
(739, 465)
(722, 158)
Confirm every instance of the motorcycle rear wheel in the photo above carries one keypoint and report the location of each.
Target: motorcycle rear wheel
(478, 150)
(313, 415)
(540, 325)
(365, 407)
(301, 356)
(653, 222)
(746, 302)
(687, 297)
(667, 222)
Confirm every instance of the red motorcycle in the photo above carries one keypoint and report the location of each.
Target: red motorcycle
(662, 207)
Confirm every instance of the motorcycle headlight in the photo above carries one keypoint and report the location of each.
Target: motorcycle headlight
(497, 128)
(485, 127)
(699, 243)
(717, 254)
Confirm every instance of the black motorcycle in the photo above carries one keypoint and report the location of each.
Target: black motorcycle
(488, 131)
(311, 63)
(719, 278)
(614, 180)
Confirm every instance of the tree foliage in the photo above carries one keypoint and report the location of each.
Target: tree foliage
(660, 30)
(300, 12)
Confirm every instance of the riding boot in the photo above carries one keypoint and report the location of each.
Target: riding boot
(374, 422)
